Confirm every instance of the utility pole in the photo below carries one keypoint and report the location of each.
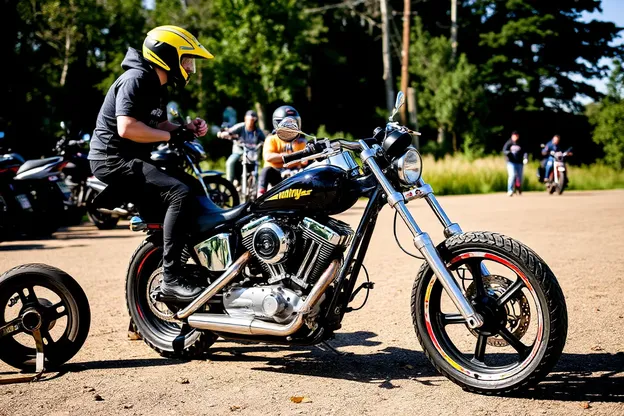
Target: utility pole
(405, 56)
(453, 30)
(387, 60)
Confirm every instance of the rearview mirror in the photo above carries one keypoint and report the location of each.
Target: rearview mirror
(288, 129)
(400, 100)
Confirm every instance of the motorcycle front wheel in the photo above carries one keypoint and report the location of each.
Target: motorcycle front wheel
(523, 307)
(563, 180)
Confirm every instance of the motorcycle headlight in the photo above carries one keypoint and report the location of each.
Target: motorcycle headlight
(409, 167)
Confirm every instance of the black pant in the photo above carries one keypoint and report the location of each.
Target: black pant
(269, 176)
(139, 179)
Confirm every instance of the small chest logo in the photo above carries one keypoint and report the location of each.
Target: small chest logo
(290, 193)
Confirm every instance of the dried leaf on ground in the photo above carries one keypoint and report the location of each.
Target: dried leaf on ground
(300, 399)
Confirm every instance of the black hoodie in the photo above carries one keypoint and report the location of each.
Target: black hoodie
(136, 93)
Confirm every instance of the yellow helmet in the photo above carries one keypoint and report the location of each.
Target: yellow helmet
(174, 50)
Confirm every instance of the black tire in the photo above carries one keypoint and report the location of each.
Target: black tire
(539, 358)
(168, 339)
(222, 192)
(99, 219)
(76, 308)
(563, 180)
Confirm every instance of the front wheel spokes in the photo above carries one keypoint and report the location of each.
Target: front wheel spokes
(517, 345)
(12, 328)
(479, 354)
(474, 265)
(510, 292)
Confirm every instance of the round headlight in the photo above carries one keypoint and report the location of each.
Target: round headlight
(409, 167)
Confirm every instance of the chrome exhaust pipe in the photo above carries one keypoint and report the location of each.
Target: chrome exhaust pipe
(251, 326)
(216, 286)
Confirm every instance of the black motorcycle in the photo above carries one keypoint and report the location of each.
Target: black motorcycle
(106, 206)
(487, 310)
(77, 170)
(33, 198)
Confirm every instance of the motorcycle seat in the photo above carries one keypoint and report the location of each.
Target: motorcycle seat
(211, 215)
(35, 163)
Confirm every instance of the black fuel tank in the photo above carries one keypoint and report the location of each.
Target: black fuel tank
(323, 189)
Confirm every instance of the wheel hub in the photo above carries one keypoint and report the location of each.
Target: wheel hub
(515, 315)
(31, 319)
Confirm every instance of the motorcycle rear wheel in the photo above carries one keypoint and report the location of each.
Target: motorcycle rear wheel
(169, 339)
(508, 307)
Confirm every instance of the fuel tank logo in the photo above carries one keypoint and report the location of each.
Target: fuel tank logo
(290, 193)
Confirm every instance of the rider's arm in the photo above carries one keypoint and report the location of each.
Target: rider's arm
(168, 126)
(506, 147)
(132, 129)
(546, 149)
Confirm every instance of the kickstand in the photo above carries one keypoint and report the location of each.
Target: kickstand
(332, 349)
(39, 363)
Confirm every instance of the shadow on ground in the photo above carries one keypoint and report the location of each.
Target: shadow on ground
(577, 377)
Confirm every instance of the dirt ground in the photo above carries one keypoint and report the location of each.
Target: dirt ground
(578, 234)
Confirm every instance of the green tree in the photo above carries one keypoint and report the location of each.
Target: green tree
(261, 49)
(449, 96)
(535, 54)
(608, 119)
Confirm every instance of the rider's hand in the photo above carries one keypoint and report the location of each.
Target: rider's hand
(181, 135)
(198, 126)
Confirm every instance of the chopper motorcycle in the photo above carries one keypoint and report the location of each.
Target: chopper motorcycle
(487, 310)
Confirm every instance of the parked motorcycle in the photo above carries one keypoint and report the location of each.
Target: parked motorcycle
(75, 173)
(33, 199)
(558, 178)
(105, 209)
(487, 310)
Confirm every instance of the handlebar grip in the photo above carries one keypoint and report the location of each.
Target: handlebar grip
(298, 155)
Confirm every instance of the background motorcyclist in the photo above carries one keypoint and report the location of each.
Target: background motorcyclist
(514, 155)
(248, 132)
(132, 118)
(274, 148)
(548, 162)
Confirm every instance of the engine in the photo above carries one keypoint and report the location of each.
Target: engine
(292, 255)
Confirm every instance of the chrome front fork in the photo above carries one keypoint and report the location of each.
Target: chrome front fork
(422, 241)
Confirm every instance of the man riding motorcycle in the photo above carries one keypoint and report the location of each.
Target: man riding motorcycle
(275, 148)
(248, 132)
(133, 118)
(548, 162)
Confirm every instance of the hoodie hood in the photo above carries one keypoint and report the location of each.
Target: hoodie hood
(134, 60)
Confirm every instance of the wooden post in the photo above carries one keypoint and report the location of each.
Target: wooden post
(387, 59)
(405, 58)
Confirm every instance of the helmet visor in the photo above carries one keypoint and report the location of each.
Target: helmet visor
(188, 63)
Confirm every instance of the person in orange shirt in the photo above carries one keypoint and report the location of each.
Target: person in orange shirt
(274, 148)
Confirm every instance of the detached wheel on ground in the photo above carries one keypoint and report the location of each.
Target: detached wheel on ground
(58, 305)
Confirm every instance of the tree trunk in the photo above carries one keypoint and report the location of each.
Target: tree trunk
(261, 121)
(441, 135)
(387, 59)
(453, 30)
(66, 57)
(405, 57)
